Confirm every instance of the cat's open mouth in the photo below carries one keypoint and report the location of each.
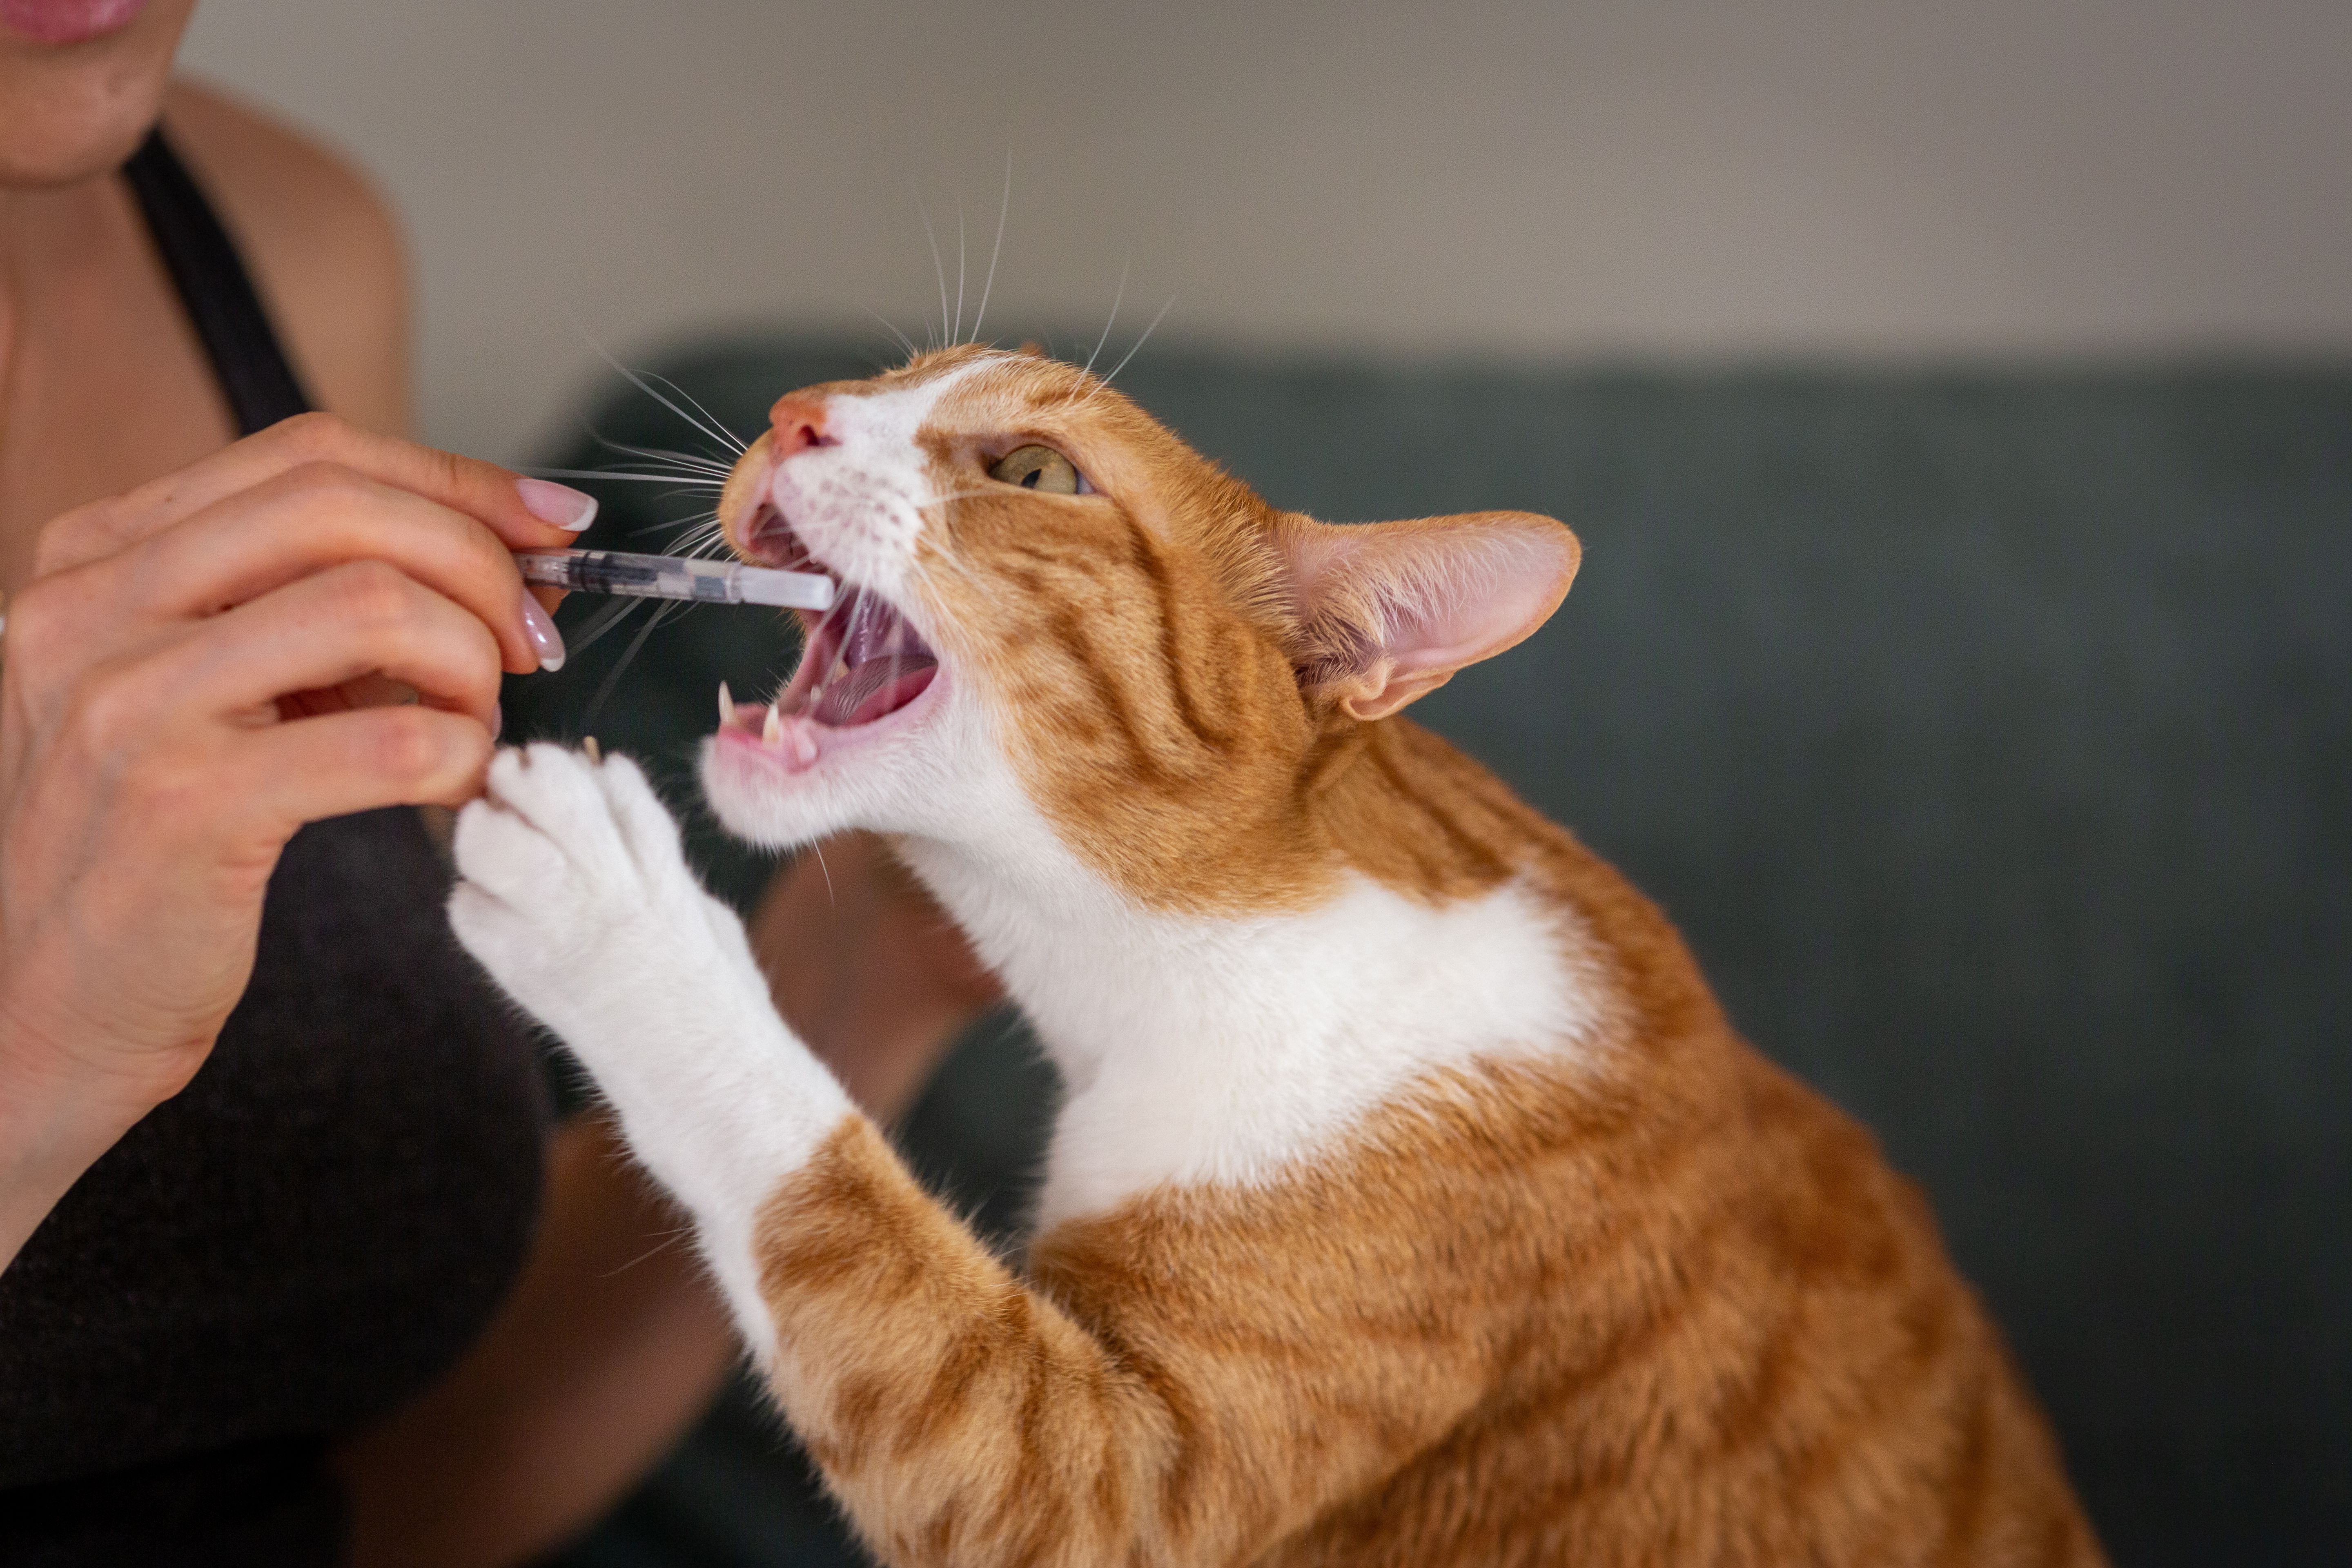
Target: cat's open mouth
(861, 662)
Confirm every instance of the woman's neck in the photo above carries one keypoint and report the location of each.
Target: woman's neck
(102, 384)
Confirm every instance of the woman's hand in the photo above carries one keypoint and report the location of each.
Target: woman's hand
(199, 667)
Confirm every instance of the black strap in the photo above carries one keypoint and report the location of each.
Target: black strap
(213, 285)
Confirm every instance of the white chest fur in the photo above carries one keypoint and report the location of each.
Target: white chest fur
(1218, 1050)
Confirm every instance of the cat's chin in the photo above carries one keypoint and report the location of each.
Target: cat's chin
(784, 779)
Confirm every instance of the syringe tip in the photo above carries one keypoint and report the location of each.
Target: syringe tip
(788, 590)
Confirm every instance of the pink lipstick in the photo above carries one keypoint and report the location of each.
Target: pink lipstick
(69, 21)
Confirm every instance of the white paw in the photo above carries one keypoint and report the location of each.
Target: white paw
(571, 867)
(576, 898)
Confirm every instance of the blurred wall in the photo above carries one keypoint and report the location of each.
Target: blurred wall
(1702, 178)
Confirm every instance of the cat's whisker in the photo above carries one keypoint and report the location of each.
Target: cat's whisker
(1115, 299)
(937, 266)
(904, 340)
(703, 543)
(695, 481)
(694, 462)
(705, 465)
(718, 433)
(688, 476)
(668, 1240)
(666, 611)
(1003, 209)
(1132, 353)
(605, 618)
(707, 516)
(716, 428)
(955, 335)
(641, 385)
(685, 489)
(827, 872)
(697, 526)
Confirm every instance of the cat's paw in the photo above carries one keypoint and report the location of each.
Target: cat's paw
(575, 896)
(572, 877)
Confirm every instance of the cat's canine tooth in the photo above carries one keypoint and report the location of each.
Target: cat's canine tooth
(772, 731)
(725, 707)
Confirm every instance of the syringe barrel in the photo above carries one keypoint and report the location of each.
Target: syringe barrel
(637, 576)
(675, 577)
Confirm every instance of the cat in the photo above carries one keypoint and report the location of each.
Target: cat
(1411, 1201)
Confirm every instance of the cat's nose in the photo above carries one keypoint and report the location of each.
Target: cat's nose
(799, 424)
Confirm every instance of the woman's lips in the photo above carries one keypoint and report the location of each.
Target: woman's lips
(69, 21)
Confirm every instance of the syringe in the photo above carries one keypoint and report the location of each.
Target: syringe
(675, 577)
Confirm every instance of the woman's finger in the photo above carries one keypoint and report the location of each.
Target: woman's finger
(341, 762)
(321, 516)
(361, 618)
(524, 513)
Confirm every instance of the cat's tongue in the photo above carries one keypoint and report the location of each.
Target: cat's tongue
(873, 688)
(861, 660)
(874, 665)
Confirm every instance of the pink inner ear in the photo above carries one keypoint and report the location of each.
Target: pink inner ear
(1437, 594)
(1476, 594)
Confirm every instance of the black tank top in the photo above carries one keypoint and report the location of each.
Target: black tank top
(322, 1219)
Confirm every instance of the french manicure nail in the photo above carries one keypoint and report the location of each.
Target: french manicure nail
(545, 640)
(561, 505)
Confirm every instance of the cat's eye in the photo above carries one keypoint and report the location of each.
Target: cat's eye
(1040, 469)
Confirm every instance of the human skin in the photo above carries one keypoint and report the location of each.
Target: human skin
(170, 600)
(149, 773)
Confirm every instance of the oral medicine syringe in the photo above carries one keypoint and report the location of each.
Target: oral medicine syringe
(669, 577)
(675, 577)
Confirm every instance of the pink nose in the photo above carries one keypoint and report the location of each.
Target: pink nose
(799, 424)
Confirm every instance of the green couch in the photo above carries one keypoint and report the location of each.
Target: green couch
(1989, 735)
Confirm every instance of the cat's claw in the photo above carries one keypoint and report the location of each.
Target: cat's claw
(573, 882)
(574, 894)
(572, 845)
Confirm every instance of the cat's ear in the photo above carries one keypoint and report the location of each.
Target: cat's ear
(1389, 611)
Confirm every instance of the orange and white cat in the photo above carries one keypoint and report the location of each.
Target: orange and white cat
(1411, 1203)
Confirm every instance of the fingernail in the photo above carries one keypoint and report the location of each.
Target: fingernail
(497, 720)
(559, 504)
(545, 640)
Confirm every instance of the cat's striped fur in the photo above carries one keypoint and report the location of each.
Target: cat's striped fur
(1413, 1203)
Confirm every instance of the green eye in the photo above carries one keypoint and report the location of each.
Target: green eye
(1039, 468)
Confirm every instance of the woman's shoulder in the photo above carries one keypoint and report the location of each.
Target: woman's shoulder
(323, 247)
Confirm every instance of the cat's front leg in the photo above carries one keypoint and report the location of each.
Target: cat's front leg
(576, 898)
(965, 1417)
